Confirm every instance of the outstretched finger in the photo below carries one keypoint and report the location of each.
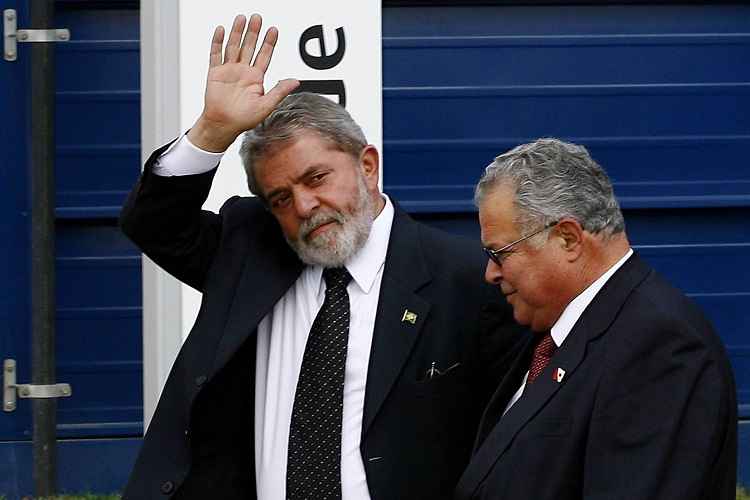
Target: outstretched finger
(232, 52)
(263, 59)
(217, 40)
(251, 39)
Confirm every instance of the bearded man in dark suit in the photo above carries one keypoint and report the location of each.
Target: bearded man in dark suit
(342, 350)
(623, 391)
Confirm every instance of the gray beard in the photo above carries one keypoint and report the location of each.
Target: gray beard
(338, 244)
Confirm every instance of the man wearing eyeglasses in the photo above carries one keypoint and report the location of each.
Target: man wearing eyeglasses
(623, 390)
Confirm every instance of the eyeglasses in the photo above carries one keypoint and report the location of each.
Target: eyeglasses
(499, 255)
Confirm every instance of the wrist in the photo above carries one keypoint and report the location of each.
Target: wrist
(211, 136)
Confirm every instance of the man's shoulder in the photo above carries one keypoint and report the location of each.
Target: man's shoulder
(241, 210)
(440, 243)
(450, 259)
(638, 294)
(661, 301)
(243, 203)
(660, 344)
(658, 314)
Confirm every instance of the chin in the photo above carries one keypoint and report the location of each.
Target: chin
(526, 318)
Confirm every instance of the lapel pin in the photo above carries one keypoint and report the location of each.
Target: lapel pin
(409, 316)
(558, 375)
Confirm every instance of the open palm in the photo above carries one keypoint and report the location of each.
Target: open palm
(235, 99)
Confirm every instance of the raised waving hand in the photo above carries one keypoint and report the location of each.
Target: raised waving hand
(235, 100)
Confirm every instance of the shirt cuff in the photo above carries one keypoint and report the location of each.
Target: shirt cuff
(185, 158)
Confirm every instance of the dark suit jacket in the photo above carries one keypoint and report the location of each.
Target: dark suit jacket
(646, 408)
(417, 434)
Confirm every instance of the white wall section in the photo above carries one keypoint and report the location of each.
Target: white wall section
(160, 123)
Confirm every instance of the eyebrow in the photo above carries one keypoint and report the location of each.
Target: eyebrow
(494, 248)
(490, 245)
(307, 173)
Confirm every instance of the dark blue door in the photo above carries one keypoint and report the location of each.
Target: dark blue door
(15, 307)
(98, 316)
(14, 244)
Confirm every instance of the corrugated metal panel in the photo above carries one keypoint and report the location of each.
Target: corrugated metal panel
(99, 272)
(98, 111)
(657, 93)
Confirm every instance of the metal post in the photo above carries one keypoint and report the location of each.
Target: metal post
(42, 86)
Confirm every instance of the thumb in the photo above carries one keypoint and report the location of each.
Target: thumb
(280, 91)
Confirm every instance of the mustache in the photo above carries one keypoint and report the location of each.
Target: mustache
(318, 219)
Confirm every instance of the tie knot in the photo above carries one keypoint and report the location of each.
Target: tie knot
(336, 278)
(545, 346)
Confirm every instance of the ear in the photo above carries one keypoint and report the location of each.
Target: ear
(369, 161)
(570, 236)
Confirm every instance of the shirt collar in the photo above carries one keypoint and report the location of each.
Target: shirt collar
(365, 265)
(574, 310)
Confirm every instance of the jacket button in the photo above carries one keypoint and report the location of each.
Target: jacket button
(199, 381)
(167, 487)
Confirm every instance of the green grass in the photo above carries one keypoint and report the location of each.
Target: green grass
(742, 494)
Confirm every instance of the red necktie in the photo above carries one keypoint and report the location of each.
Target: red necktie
(543, 352)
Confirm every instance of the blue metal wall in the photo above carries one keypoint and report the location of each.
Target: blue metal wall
(660, 94)
(98, 272)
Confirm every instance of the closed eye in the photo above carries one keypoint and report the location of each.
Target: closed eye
(502, 254)
(317, 178)
(498, 256)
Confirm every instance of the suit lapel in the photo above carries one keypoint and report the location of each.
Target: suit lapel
(270, 268)
(535, 397)
(396, 330)
(594, 322)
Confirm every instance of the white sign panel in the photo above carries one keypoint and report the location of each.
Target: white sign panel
(333, 47)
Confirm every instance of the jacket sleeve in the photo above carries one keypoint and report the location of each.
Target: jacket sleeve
(163, 217)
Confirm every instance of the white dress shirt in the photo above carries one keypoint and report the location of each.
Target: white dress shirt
(182, 157)
(282, 335)
(570, 316)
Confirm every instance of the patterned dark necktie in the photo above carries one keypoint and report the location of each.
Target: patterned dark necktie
(314, 457)
(543, 351)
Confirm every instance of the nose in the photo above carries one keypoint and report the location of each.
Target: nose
(493, 274)
(305, 202)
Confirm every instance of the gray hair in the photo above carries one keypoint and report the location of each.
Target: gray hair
(552, 180)
(298, 112)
